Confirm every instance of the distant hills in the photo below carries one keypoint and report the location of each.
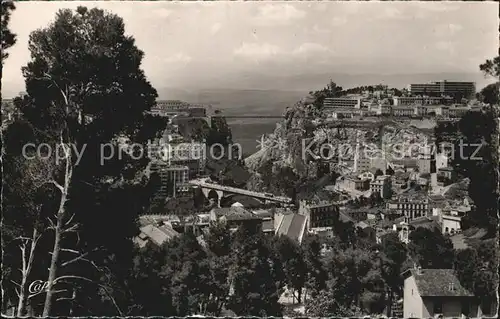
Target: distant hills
(270, 94)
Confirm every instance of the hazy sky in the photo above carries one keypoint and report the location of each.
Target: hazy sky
(217, 43)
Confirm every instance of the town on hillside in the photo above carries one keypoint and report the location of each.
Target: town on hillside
(369, 201)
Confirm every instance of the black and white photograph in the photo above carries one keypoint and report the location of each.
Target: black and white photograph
(250, 159)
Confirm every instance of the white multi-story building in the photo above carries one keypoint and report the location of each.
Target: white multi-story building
(342, 102)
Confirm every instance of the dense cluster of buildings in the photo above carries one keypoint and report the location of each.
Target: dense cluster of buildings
(443, 99)
(177, 159)
(379, 195)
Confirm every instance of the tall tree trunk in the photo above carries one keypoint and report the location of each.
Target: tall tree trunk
(58, 229)
(55, 258)
(26, 270)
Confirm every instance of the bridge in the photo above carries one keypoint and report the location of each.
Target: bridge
(207, 187)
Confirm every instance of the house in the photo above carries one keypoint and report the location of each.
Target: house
(319, 213)
(158, 233)
(382, 185)
(450, 224)
(234, 216)
(411, 206)
(354, 183)
(431, 292)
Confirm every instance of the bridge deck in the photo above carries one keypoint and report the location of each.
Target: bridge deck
(235, 190)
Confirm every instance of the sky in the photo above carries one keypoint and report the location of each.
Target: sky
(222, 44)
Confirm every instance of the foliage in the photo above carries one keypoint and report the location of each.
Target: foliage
(317, 276)
(8, 38)
(294, 265)
(331, 90)
(325, 305)
(253, 275)
(430, 249)
(92, 104)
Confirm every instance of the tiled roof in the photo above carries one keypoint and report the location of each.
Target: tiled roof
(292, 226)
(159, 235)
(235, 213)
(425, 222)
(437, 282)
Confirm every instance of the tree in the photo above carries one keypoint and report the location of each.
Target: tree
(430, 249)
(294, 265)
(477, 131)
(316, 276)
(489, 94)
(331, 90)
(325, 305)
(8, 38)
(82, 109)
(253, 282)
(378, 172)
(491, 67)
(23, 222)
(394, 255)
(218, 242)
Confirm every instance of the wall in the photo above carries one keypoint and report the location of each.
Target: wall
(412, 302)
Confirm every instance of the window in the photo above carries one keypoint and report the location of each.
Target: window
(438, 307)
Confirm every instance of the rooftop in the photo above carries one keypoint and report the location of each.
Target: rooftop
(292, 226)
(157, 234)
(234, 213)
(438, 282)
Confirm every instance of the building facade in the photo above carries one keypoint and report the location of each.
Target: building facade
(456, 90)
(341, 102)
(429, 293)
(382, 185)
(319, 214)
(418, 100)
(173, 179)
(411, 207)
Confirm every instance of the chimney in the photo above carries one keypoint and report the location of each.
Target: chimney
(451, 286)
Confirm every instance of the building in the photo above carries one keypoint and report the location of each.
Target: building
(343, 113)
(456, 90)
(425, 89)
(341, 102)
(411, 207)
(158, 234)
(441, 161)
(431, 292)
(426, 161)
(173, 178)
(403, 111)
(457, 111)
(450, 224)
(319, 214)
(176, 107)
(267, 219)
(234, 217)
(382, 185)
(355, 183)
(192, 154)
(421, 100)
